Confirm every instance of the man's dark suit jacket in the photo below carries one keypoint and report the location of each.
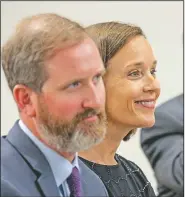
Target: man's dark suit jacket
(26, 172)
(163, 145)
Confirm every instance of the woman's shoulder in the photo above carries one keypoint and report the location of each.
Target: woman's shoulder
(137, 175)
(131, 167)
(126, 162)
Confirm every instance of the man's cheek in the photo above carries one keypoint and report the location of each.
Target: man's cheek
(69, 110)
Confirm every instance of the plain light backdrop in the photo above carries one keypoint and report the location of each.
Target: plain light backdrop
(162, 23)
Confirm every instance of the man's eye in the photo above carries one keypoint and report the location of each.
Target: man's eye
(97, 78)
(74, 85)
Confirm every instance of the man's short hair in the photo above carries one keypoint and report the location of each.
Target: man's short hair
(35, 39)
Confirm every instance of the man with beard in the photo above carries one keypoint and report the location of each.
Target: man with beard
(54, 71)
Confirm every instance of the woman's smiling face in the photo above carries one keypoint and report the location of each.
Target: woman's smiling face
(131, 85)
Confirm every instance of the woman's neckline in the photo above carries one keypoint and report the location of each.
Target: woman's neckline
(104, 165)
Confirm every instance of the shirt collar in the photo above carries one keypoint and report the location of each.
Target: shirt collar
(60, 166)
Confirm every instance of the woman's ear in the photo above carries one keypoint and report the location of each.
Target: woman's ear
(23, 98)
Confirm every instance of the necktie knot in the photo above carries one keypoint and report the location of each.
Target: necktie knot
(74, 183)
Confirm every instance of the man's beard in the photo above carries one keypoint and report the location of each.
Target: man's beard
(73, 136)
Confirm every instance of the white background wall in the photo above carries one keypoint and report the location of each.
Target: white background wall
(162, 22)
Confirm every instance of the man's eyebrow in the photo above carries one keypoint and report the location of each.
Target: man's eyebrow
(61, 86)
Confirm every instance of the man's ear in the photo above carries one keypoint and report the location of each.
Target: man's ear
(24, 99)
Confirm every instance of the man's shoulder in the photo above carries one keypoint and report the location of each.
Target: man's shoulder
(9, 154)
(12, 163)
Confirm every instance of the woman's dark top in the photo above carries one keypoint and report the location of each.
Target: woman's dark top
(124, 179)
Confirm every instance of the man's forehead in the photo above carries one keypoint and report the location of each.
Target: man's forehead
(86, 46)
(65, 63)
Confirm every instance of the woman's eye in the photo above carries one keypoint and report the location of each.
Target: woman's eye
(74, 85)
(153, 71)
(135, 73)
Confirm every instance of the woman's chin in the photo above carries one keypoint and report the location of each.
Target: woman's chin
(148, 123)
(145, 122)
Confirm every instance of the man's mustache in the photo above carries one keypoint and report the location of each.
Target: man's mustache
(86, 113)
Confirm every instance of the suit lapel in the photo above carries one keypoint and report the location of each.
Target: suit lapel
(47, 184)
(37, 161)
(86, 187)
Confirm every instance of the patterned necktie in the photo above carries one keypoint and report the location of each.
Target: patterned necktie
(74, 183)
